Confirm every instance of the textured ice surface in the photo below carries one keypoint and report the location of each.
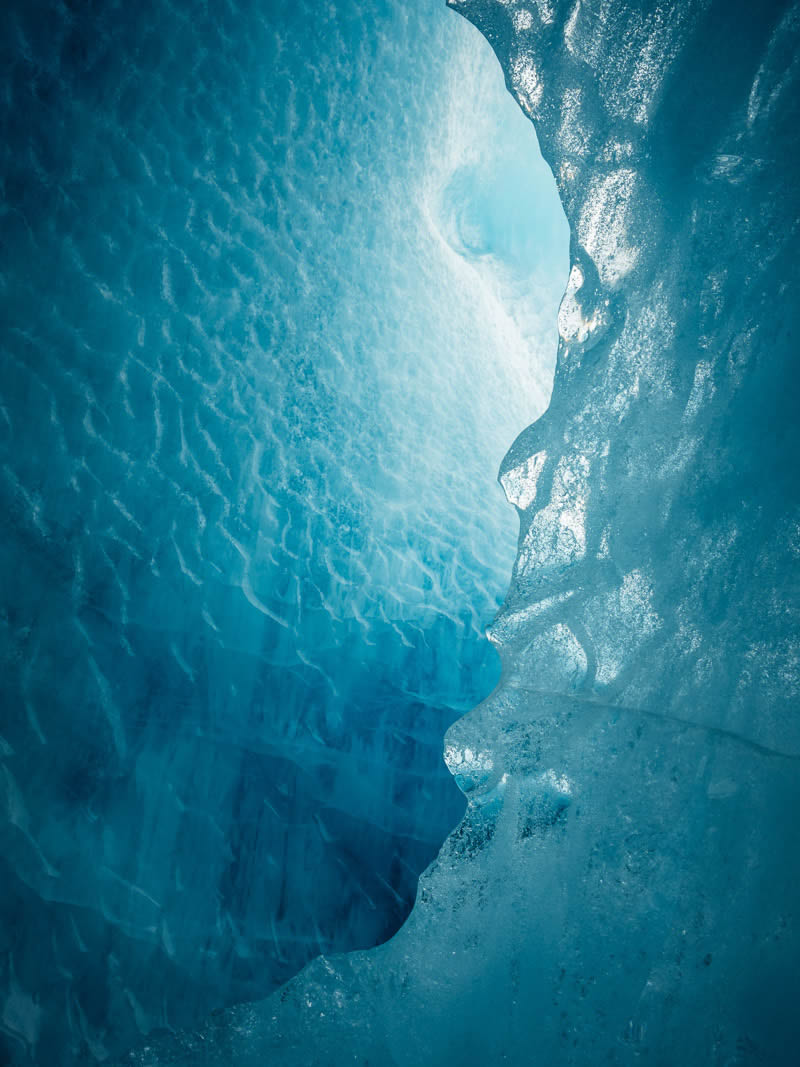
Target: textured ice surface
(256, 258)
(624, 886)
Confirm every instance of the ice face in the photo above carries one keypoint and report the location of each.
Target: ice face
(251, 531)
(623, 887)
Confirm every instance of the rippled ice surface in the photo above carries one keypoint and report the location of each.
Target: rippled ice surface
(258, 260)
(623, 888)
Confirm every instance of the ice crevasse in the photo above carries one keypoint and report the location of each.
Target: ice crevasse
(623, 886)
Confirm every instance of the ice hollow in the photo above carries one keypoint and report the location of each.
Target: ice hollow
(250, 430)
(623, 886)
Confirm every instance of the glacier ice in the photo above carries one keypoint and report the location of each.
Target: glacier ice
(623, 886)
(251, 532)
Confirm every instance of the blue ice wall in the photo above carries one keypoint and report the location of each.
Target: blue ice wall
(623, 888)
(256, 258)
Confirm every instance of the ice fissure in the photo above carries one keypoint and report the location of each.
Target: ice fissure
(623, 886)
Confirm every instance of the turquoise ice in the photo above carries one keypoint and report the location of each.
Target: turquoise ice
(623, 888)
(281, 284)
(257, 260)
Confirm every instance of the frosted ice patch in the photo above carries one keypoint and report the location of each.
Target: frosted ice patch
(510, 624)
(466, 759)
(573, 326)
(519, 484)
(546, 9)
(527, 84)
(572, 134)
(557, 535)
(603, 226)
(702, 392)
(570, 26)
(557, 783)
(620, 624)
(555, 661)
(470, 768)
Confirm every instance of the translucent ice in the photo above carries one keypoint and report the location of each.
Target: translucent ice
(623, 887)
(248, 442)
